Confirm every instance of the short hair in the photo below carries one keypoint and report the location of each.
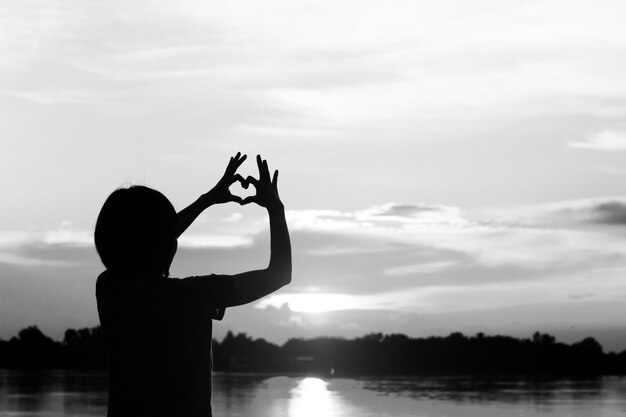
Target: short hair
(136, 231)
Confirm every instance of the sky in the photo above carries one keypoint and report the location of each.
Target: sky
(446, 165)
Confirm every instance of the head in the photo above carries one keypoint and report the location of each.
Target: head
(136, 232)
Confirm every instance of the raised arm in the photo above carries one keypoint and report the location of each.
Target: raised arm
(251, 286)
(217, 195)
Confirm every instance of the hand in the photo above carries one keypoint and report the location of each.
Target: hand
(221, 192)
(266, 188)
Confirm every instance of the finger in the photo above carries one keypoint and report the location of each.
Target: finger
(264, 174)
(275, 179)
(240, 161)
(235, 162)
(242, 181)
(236, 199)
(230, 168)
(266, 171)
(251, 180)
(248, 200)
(259, 163)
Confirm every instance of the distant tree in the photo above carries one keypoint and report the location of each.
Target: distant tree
(85, 348)
(33, 349)
(371, 354)
(543, 339)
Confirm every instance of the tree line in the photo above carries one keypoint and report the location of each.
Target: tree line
(372, 354)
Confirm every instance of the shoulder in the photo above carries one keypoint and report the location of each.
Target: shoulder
(102, 281)
(103, 276)
(213, 283)
(209, 287)
(203, 279)
(208, 291)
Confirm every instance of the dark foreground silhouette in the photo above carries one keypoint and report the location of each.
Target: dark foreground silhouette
(158, 329)
(373, 354)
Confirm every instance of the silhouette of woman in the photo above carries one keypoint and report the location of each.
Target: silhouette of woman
(158, 329)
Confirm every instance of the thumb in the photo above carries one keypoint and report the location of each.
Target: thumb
(248, 200)
(235, 199)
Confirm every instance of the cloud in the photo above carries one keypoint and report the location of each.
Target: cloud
(37, 246)
(214, 241)
(607, 287)
(415, 213)
(604, 141)
(64, 97)
(406, 210)
(395, 258)
(66, 235)
(53, 247)
(573, 214)
(581, 296)
(380, 216)
(420, 268)
(361, 64)
(528, 242)
(411, 244)
(314, 303)
(610, 212)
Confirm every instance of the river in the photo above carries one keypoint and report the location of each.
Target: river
(78, 393)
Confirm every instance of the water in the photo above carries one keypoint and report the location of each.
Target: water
(75, 393)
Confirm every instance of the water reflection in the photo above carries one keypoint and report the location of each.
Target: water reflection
(61, 393)
(312, 398)
(52, 393)
(492, 389)
(251, 395)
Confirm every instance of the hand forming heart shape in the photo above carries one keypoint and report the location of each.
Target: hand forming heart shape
(266, 185)
(241, 187)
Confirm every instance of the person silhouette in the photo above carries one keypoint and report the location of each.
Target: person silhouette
(159, 329)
